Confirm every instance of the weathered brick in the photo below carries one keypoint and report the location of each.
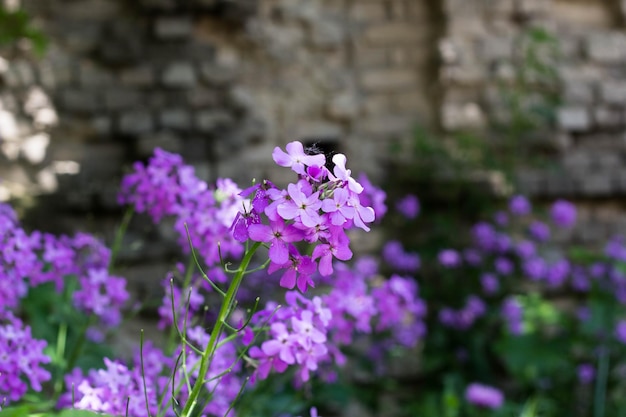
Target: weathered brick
(179, 75)
(210, 120)
(462, 115)
(368, 12)
(466, 74)
(344, 106)
(607, 48)
(217, 75)
(412, 102)
(369, 57)
(596, 184)
(495, 48)
(178, 119)
(389, 79)
(606, 117)
(394, 33)
(607, 161)
(177, 27)
(142, 76)
(558, 184)
(613, 92)
(388, 124)
(577, 162)
(92, 76)
(327, 33)
(80, 101)
(121, 99)
(577, 93)
(376, 103)
(136, 123)
(533, 7)
(574, 118)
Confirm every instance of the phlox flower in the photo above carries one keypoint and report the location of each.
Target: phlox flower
(408, 206)
(21, 360)
(563, 213)
(449, 258)
(484, 396)
(337, 207)
(296, 159)
(337, 247)
(278, 234)
(519, 205)
(299, 270)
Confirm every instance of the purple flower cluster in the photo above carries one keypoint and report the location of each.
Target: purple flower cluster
(360, 302)
(33, 259)
(21, 360)
(298, 335)
(118, 388)
(484, 396)
(317, 209)
(401, 260)
(186, 303)
(223, 380)
(465, 317)
(166, 187)
(513, 314)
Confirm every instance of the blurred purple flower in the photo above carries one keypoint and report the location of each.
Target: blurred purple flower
(484, 396)
(408, 206)
(519, 205)
(539, 231)
(620, 331)
(449, 258)
(586, 373)
(563, 213)
(490, 283)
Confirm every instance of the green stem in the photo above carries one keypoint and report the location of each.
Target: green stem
(119, 235)
(60, 354)
(207, 356)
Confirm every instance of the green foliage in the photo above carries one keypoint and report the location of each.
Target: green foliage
(16, 25)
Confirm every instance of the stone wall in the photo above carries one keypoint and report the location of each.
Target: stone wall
(480, 51)
(223, 82)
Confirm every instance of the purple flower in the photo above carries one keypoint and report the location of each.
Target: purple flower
(21, 360)
(395, 256)
(278, 234)
(301, 206)
(337, 207)
(449, 258)
(539, 231)
(337, 246)
(558, 273)
(484, 396)
(513, 314)
(586, 373)
(504, 266)
(563, 213)
(519, 205)
(296, 159)
(484, 236)
(489, 283)
(536, 268)
(525, 249)
(501, 218)
(620, 331)
(408, 206)
(372, 196)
